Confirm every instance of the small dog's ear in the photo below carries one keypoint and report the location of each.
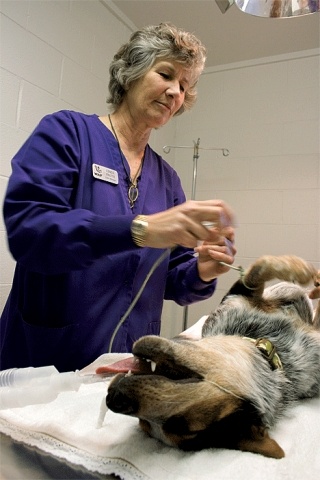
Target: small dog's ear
(260, 442)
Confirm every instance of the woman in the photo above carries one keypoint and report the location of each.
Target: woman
(73, 210)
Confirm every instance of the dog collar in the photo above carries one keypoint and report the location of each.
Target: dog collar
(268, 350)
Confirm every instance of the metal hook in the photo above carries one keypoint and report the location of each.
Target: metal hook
(166, 149)
(196, 147)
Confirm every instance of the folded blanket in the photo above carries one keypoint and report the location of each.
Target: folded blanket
(67, 429)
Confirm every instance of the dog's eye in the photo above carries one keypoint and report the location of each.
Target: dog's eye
(177, 425)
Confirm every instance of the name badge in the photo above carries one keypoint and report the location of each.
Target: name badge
(105, 174)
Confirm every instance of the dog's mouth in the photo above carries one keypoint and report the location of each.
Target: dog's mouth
(149, 359)
(155, 365)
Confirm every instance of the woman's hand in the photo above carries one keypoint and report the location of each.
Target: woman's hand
(182, 225)
(220, 248)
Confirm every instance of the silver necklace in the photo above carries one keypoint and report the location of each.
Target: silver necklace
(133, 191)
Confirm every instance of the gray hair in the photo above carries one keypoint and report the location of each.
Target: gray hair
(147, 45)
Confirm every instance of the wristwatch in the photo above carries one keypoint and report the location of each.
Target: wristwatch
(139, 228)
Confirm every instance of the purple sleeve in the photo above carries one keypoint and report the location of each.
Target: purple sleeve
(184, 285)
(39, 206)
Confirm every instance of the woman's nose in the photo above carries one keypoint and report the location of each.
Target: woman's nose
(174, 89)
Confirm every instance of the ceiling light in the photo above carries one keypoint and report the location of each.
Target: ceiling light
(272, 8)
(224, 5)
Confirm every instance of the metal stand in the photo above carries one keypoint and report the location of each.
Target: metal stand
(196, 147)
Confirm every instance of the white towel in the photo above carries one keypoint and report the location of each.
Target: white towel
(66, 428)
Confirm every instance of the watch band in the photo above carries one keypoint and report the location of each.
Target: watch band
(139, 228)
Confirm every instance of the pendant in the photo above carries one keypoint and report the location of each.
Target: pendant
(133, 194)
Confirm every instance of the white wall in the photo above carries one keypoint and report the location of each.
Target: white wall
(55, 54)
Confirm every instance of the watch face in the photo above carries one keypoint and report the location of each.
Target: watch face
(142, 228)
(139, 227)
(138, 231)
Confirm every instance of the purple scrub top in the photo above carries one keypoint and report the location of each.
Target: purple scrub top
(78, 269)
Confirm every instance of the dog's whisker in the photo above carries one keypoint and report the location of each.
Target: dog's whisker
(171, 402)
(224, 389)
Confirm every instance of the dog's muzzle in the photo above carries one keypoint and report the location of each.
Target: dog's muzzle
(119, 401)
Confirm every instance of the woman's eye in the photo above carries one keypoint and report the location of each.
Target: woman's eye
(169, 76)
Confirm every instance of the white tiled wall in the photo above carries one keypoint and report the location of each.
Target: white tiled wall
(55, 54)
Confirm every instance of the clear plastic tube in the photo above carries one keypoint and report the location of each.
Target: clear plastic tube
(16, 377)
(31, 386)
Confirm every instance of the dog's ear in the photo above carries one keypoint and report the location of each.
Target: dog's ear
(259, 441)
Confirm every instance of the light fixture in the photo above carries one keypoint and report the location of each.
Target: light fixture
(272, 8)
(224, 5)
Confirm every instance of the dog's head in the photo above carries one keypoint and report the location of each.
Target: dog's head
(193, 394)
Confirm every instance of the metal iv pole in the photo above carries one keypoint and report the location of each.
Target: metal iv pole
(196, 147)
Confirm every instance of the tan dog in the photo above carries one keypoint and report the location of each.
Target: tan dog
(258, 354)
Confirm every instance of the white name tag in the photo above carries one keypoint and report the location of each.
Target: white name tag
(105, 174)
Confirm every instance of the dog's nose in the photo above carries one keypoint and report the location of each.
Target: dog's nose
(120, 402)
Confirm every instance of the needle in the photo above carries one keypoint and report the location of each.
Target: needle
(239, 269)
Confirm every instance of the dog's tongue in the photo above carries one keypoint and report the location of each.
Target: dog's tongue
(122, 366)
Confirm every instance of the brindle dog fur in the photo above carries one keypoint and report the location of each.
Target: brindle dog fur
(220, 390)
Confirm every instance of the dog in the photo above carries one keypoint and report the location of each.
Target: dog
(258, 354)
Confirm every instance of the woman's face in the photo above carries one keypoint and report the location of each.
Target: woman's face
(159, 94)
